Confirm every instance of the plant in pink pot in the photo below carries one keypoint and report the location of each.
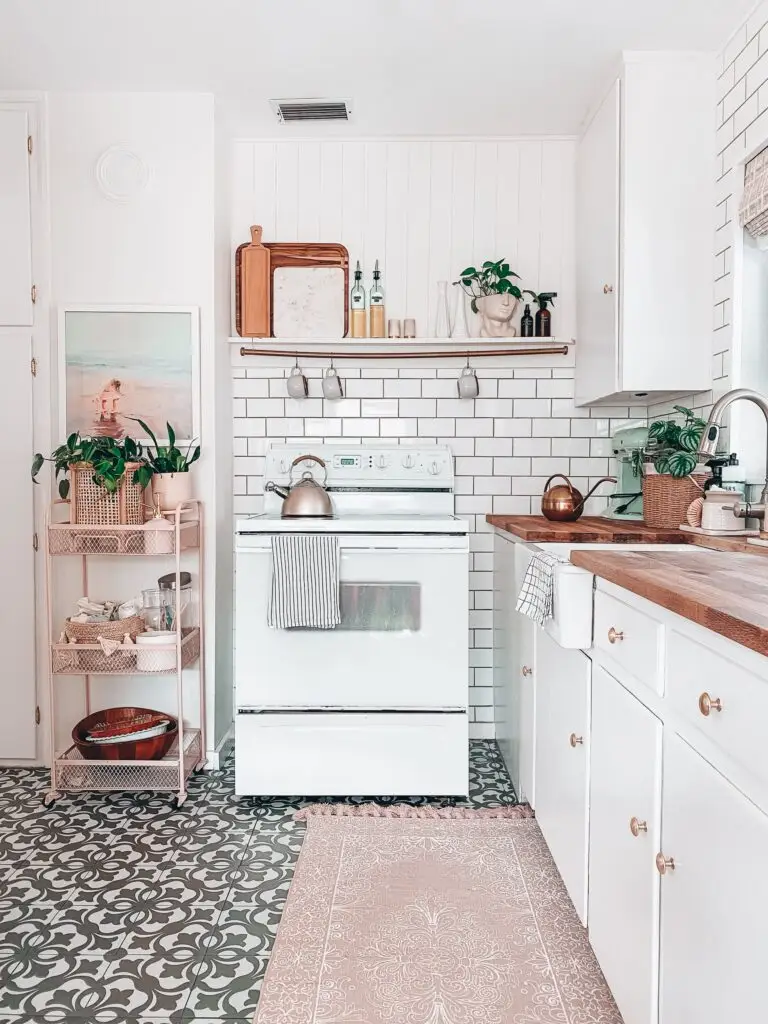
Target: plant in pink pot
(168, 468)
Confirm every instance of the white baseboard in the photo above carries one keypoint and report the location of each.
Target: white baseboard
(216, 757)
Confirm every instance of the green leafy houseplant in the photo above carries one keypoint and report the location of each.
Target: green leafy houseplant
(672, 446)
(164, 458)
(490, 279)
(108, 456)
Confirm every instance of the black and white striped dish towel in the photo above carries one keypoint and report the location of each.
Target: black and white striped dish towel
(537, 594)
(305, 581)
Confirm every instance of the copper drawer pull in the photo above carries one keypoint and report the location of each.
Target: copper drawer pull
(576, 740)
(636, 826)
(664, 864)
(527, 671)
(709, 704)
(607, 289)
(614, 635)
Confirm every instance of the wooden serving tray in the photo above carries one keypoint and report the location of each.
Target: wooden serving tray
(306, 255)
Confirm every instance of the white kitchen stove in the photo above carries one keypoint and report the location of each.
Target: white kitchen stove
(377, 706)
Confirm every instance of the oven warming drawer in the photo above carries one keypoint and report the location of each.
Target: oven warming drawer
(351, 753)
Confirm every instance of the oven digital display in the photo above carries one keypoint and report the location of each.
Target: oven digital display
(348, 460)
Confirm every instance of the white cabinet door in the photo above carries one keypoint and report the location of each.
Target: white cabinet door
(597, 264)
(524, 680)
(714, 904)
(15, 223)
(504, 693)
(17, 593)
(562, 761)
(625, 791)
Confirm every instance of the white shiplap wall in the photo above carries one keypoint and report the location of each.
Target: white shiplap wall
(425, 209)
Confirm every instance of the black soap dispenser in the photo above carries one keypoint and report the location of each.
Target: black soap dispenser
(526, 323)
(543, 315)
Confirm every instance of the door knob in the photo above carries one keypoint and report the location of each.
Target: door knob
(575, 740)
(709, 704)
(527, 671)
(664, 864)
(636, 826)
(614, 635)
(607, 289)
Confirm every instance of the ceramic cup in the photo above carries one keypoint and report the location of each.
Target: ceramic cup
(296, 383)
(332, 384)
(394, 329)
(467, 384)
(409, 327)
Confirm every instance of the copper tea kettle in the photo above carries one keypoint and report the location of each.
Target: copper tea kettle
(304, 497)
(563, 503)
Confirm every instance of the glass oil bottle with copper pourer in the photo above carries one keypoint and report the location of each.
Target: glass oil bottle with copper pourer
(357, 305)
(376, 300)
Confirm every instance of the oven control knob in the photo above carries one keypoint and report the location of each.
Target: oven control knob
(283, 465)
(408, 462)
(434, 468)
(381, 462)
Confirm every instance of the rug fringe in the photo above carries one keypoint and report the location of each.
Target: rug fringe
(408, 811)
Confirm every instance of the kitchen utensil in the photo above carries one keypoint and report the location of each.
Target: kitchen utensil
(717, 511)
(151, 749)
(332, 386)
(306, 497)
(296, 384)
(323, 298)
(564, 503)
(467, 385)
(253, 282)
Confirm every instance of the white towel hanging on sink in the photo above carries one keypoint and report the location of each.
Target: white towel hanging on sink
(305, 581)
(537, 594)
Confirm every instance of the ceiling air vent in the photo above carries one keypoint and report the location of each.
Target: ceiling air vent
(288, 111)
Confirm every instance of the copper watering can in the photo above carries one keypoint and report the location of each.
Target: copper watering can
(563, 503)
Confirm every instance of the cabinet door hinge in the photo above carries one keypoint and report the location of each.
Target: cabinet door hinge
(33, 293)
(29, 145)
(33, 366)
(35, 541)
(37, 716)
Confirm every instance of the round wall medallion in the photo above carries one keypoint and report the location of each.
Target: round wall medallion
(121, 174)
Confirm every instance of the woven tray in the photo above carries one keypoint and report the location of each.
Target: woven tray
(90, 632)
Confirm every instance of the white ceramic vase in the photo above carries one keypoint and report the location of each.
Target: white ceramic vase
(442, 315)
(170, 489)
(459, 325)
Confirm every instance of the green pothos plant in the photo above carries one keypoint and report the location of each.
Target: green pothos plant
(166, 458)
(671, 445)
(108, 457)
(493, 278)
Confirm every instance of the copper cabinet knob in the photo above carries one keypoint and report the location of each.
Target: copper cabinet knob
(664, 864)
(709, 704)
(575, 740)
(614, 635)
(607, 289)
(527, 671)
(636, 826)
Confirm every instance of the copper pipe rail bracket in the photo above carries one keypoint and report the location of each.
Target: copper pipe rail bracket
(456, 353)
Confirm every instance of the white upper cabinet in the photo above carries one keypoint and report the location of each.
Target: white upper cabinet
(644, 233)
(15, 233)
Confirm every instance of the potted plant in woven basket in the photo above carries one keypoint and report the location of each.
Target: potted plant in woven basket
(99, 477)
(168, 468)
(669, 484)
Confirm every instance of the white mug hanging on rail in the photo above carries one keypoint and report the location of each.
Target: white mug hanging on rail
(467, 384)
(332, 387)
(296, 384)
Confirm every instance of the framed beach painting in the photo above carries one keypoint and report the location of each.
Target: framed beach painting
(118, 364)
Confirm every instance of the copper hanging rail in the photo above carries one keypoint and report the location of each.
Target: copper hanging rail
(456, 353)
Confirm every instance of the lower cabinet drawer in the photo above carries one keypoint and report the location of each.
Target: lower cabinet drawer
(351, 753)
(630, 639)
(624, 819)
(723, 699)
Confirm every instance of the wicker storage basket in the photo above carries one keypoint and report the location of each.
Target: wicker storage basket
(666, 499)
(91, 505)
(89, 632)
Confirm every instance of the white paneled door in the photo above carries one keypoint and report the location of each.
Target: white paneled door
(17, 593)
(15, 230)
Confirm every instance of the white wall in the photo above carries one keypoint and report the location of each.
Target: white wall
(425, 209)
(156, 249)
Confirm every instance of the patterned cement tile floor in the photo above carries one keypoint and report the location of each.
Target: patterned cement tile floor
(124, 908)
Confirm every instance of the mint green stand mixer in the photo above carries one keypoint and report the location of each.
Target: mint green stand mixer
(626, 502)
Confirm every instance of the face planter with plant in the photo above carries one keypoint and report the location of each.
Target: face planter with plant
(494, 296)
(100, 477)
(669, 459)
(167, 466)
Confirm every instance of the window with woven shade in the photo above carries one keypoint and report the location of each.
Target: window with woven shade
(753, 212)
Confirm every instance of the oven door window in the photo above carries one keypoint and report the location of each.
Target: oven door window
(384, 607)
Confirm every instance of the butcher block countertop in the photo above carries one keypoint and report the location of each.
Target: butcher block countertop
(725, 591)
(587, 530)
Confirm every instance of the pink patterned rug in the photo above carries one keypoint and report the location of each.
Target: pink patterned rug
(454, 917)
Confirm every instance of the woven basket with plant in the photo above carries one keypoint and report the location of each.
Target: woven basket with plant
(671, 449)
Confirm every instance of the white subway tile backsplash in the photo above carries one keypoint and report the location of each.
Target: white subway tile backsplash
(302, 407)
(496, 407)
(473, 466)
(552, 428)
(341, 407)
(360, 427)
(517, 388)
(459, 445)
(533, 407)
(494, 446)
(532, 446)
(435, 427)
(570, 446)
(442, 387)
(322, 428)
(239, 408)
(403, 388)
(504, 466)
(458, 407)
(251, 387)
(379, 407)
(368, 388)
(266, 407)
(474, 428)
(554, 388)
(392, 428)
(418, 407)
(517, 427)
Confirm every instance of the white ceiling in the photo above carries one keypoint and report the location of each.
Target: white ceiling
(444, 67)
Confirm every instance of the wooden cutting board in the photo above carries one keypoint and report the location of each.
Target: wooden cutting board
(253, 287)
(587, 530)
